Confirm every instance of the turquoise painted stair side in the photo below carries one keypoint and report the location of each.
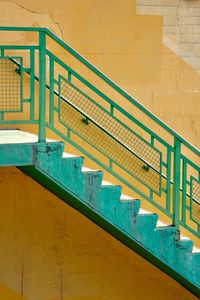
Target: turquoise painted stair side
(69, 103)
(106, 200)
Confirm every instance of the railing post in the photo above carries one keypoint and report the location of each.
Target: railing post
(177, 181)
(42, 87)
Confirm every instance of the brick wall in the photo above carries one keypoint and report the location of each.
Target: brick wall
(181, 26)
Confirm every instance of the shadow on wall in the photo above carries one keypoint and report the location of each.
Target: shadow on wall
(49, 251)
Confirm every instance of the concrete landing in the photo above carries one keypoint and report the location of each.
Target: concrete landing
(15, 136)
(20, 148)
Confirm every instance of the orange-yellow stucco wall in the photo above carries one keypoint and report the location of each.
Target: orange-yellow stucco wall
(49, 251)
(129, 41)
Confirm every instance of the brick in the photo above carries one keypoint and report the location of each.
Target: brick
(158, 10)
(190, 38)
(171, 20)
(158, 2)
(171, 29)
(189, 3)
(193, 60)
(171, 41)
(189, 48)
(190, 28)
(189, 11)
(189, 20)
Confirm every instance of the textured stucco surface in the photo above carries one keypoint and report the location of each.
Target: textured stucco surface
(181, 26)
(131, 43)
(51, 252)
(135, 56)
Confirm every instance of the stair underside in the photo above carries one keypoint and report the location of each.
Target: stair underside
(104, 203)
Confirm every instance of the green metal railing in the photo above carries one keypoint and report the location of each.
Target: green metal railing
(66, 94)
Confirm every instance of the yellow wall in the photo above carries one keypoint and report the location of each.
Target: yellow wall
(129, 48)
(126, 46)
(49, 251)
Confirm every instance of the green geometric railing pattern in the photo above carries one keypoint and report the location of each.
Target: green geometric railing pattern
(72, 98)
(195, 200)
(121, 144)
(11, 94)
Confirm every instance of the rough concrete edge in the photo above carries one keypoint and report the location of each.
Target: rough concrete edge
(71, 200)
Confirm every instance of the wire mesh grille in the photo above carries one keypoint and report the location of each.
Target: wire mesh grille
(195, 201)
(10, 86)
(71, 118)
(110, 124)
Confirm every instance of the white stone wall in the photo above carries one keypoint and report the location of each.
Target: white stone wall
(181, 26)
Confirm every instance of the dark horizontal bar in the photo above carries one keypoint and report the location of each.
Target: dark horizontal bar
(18, 28)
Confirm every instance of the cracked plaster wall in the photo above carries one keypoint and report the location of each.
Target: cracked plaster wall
(129, 48)
(135, 57)
(181, 26)
(49, 251)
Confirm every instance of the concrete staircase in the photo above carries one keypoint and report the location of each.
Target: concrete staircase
(161, 244)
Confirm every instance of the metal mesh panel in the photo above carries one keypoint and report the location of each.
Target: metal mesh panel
(110, 124)
(195, 201)
(106, 144)
(10, 86)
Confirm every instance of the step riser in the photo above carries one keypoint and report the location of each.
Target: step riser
(18, 154)
(87, 186)
(105, 200)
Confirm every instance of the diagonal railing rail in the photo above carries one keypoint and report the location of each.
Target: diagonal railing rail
(66, 94)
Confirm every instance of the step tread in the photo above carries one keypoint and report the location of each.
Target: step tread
(141, 224)
(16, 136)
(89, 170)
(70, 155)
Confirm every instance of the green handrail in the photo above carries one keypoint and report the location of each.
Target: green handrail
(106, 79)
(177, 183)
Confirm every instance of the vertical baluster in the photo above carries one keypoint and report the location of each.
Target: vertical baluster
(168, 183)
(32, 83)
(176, 190)
(42, 86)
(184, 190)
(51, 94)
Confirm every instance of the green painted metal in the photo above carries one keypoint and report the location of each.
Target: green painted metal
(195, 200)
(42, 87)
(107, 168)
(12, 101)
(32, 82)
(71, 200)
(120, 90)
(83, 191)
(102, 204)
(91, 110)
(19, 47)
(149, 178)
(106, 98)
(22, 154)
(177, 178)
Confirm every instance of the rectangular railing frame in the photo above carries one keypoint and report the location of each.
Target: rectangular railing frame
(174, 152)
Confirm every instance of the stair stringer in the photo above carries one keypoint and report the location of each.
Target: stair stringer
(165, 242)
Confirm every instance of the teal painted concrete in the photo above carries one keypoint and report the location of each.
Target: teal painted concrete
(17, 154)
(24, 154)
(86, 186)
(173, 174)
(83, 208)
(164, 243)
